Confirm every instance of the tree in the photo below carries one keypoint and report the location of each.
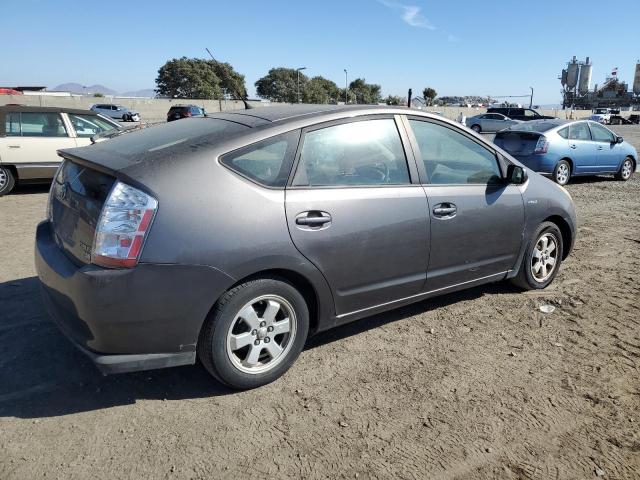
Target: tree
(320, 90)
(429, 95)
(395, 100)
(281, 85)
(196, 78)
(365, 92)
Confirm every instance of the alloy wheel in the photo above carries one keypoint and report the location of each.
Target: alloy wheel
(261, 335)
(544, 257)
(626, 169)
(4, 179)
(562, 174)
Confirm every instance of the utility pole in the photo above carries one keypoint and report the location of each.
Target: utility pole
(298, 72)
(531, 99)
(409, 94)
(346, 87)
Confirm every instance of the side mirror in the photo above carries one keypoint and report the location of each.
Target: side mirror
(619, 139)
(516, 174)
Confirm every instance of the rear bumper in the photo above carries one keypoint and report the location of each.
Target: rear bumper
(537, 163)
(131, 319)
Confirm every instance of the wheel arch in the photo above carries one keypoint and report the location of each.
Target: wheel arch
(570, 162)
(565, 231)
(300, 282)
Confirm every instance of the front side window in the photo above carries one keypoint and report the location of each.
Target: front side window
(579, 131)
(35, 124)
(89, 125)
(365, 153)
(601, 134)
(267, 162)
(452, 158)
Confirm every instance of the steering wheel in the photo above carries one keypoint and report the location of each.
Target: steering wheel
(378, 172)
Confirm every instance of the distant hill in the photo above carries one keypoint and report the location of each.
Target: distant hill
(78, 89)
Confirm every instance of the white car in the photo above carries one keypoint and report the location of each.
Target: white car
(601, 115)
(31, 136)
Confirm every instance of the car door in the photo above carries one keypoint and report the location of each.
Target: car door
(33, 141)
(608, 151)
(354, 212)
(582, 150)
(477, 220)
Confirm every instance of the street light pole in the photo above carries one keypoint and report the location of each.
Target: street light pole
(346, 87)
(531, 99)
(298, 71)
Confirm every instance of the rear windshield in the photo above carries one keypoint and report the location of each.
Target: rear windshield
(539, 126)
(161, 137)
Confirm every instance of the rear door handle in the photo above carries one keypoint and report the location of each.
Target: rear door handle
(313, 219)
(445, 210)
(14, 146)
(573, 146)
(599, 147)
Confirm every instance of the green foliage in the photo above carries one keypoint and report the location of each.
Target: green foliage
(196, 78)
(364, 92)
(321, 90)
(429, 95)
(281, 85)
(98, 95)
(395, 100)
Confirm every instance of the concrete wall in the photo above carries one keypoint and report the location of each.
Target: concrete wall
(151, 109)
(155, 109)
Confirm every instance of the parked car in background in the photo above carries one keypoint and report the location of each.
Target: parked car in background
(116, 111)
(490, 122)
(601, 115)
(31, 136)
(184, 111)
(564, 149)
(292, 220)
(516, 113)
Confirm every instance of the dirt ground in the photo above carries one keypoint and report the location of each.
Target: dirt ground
(498, 390)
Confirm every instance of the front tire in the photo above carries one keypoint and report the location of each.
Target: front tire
(626, 170)
(254, 333)
(562, 172)
(7, 180)
(542, 258)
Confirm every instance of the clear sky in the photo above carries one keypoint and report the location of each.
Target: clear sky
(496, 47)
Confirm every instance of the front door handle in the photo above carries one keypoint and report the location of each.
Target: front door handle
(313, 219)
(14, 146)
(445, 210)
(599, 147)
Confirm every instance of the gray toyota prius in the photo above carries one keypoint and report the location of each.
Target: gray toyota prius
(237, 236)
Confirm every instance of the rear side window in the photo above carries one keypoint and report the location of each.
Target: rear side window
(364, 153)
(12, 124)
(35, 124)
(452, 158)
(579, 131)
(267, 162)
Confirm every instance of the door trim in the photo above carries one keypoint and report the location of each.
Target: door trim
(419, 296)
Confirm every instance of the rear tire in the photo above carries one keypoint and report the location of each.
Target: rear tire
(254, 333)
(626, 170)
(562, 172)
(476, 128)
(7, 180)
(542, 258)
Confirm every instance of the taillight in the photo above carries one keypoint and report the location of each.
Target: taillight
(542, 146)
(187, 114)
(125, 220)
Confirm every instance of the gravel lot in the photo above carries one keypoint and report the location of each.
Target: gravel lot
(498, 390)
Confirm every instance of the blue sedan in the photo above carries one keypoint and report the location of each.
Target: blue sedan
(563, 149)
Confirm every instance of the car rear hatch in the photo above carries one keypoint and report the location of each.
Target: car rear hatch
(517, 143)
(77, 195)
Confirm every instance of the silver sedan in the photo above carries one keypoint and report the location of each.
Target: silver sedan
(490, 122)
